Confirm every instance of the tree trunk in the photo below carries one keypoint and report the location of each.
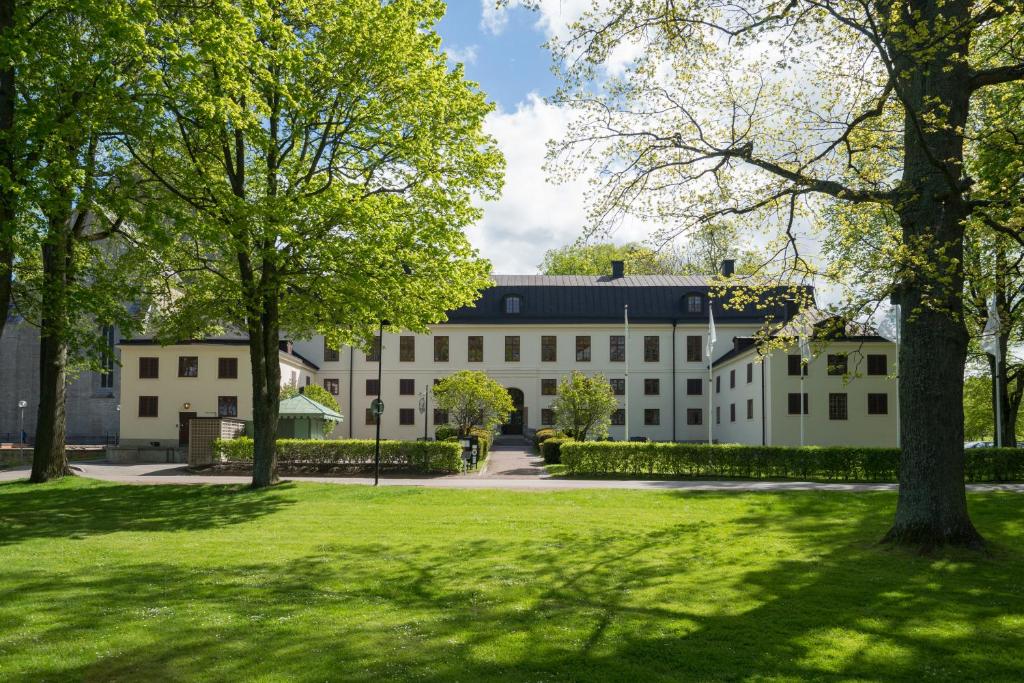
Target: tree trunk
(1006, 420)
(8, 196)
(932, 506)
(264, 349)
(49, 459)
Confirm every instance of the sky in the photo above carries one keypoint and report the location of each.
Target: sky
(502, 50)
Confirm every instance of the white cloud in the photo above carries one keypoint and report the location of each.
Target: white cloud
(553, 16)
(493, 18)
(465, 55)
(533, 214)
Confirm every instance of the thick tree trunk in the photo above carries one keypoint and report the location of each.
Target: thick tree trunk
(932, 506)
(264, 349)
(8, 172)
(49, 459)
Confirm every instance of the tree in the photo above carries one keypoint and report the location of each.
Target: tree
(596, 259)
(584, 406)
(772, 111)
(473, 399)
(73, 67)
(8, 155)
(324, 160)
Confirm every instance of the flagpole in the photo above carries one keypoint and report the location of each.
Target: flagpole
(625, 318)
(709, 350)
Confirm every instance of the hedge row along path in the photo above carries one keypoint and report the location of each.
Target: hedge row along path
(169, 474)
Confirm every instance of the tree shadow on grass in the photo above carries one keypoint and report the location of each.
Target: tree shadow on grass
(789, 587)
(78, 508)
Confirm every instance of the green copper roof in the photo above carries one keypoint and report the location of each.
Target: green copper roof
(302, 406)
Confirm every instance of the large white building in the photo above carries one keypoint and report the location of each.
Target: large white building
(528, 332)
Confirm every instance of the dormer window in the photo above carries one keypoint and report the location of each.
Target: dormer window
(513, 303)
(694, 303)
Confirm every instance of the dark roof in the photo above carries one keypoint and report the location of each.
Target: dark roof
(601, 299)
(743, 344)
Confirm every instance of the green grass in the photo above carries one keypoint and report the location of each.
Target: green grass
(312, 582)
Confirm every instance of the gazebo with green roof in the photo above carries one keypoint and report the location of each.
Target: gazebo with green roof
(304, 418)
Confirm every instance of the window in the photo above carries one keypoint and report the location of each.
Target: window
(406, 387)
(329, 353)
(794, 403)
(372, 387)
(548, 387)
(476, 349)
(373, 355)
(750, 409)
(407, 349)
(694, 387)
(837, 407)
(549, 348)
(619, 417)
(718, 384)
(693, 349)
(718, 415)
(227, 406)
(371, 419)
(227, 368)
(513, 304)
(149, 368)
(583, 349)
(732, 412)
(107, 376)
(331, 385)
(750, 373)
(878, 404)
(148, 406)
(694, 304)
(406, 416)
(309, 380)
(652, 351)
(188, 366)
(732, 378)
(441, 349)
(617, 348)
(511, 349)
(547, 416)
(652, 416)
(618, 386)
(877, 364)
(694, 416)
(837, 363)
(795, 365)
(440, 416)
(652, 387)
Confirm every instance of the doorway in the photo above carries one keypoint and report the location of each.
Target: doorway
(183, 423)
(515, 419)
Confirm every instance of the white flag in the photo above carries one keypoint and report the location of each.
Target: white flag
(889, 328)
(712, 337)
(990, 336)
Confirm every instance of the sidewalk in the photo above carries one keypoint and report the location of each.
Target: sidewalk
(171, 474)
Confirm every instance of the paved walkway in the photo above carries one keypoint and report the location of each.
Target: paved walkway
(514, 458)
(177, 474)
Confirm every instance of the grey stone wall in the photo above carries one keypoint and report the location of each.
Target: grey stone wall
(91, 407)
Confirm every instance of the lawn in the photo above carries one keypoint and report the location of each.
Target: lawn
(323, 582)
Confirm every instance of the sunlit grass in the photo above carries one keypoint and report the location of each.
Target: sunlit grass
(319, 582)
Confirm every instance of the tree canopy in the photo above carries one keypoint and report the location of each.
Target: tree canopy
(473, 399)
(584, 406)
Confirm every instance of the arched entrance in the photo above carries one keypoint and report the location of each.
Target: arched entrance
(516, 419)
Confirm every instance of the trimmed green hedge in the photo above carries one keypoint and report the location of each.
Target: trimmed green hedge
(551, 449)
(421, 456)
(769, 462)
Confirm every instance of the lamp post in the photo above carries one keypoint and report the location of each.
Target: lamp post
(21, 419)
(378, 404)
(425, 408)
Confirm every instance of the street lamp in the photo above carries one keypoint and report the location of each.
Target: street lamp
(21, 420)
(377, 406)
(425, 408)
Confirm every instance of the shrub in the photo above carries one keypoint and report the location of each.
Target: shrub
(444, 432)
(761, 462)
(551, 449)
(420, 456)
(545, 433)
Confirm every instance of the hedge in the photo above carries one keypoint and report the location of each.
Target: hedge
(764, 462)
(421, 456)
(484, 436)
(551, 449)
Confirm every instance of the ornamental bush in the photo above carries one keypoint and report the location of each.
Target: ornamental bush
(419, 456)
(551, 449)
(766, 462)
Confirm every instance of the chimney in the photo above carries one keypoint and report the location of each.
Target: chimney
(618, 269)
(728, 266)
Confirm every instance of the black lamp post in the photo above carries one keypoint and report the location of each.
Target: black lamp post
(378, 405)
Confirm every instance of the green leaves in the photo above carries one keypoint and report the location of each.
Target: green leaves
(473, 399)
(584, 406)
